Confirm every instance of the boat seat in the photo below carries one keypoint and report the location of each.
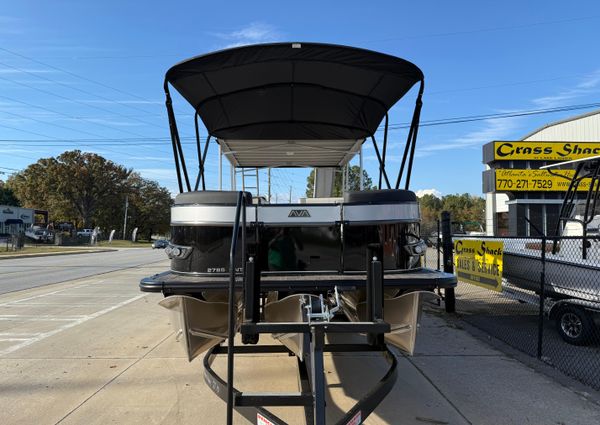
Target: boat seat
(386, 196)
(211, 197)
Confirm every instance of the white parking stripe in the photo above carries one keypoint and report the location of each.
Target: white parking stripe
(40, 318)
(73, 323)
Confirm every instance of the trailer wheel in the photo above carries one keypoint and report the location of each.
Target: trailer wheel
(574, 325)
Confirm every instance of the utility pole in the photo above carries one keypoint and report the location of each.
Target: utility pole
(125, 218)
(362, 179)
(220, 168)
(290, 194)
(269, 183)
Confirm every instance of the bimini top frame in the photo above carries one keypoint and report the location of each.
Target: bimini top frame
(585, 169)
(292, 105)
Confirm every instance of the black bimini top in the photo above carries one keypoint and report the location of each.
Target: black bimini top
(269, 104)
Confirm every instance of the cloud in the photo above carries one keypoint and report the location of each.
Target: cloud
(255, 32)
(588, 85)
(433, 192)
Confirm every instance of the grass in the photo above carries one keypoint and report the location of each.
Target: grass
(35, 250)
(118, 243)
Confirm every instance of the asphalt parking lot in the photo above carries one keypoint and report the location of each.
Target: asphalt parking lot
(94, 350)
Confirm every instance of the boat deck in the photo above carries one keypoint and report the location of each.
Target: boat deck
(422, 279)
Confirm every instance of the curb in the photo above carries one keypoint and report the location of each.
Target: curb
(51, 254)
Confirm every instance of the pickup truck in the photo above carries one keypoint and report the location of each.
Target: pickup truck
(85, 232)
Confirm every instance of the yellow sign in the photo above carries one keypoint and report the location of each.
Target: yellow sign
(536, 181)
(545, 151)
(479, 262)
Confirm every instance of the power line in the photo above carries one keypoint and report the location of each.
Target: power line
(71, 100)
(426, 123)
(82, 91)
(61, 114)
(74, 74)
(472, 118)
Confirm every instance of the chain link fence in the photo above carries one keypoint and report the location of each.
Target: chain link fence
(549, 303)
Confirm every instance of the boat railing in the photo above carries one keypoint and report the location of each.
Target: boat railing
(240, 210)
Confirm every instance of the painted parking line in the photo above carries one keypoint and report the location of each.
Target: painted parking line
(72, 323)
(39, 318)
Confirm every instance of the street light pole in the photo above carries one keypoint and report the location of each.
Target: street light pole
(125, 218)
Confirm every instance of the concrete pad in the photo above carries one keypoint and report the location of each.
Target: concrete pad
(500, 390)
(412, 400)
(164, 391)
(433, 339)
(56, 310)
(43, 391)
(124, 333)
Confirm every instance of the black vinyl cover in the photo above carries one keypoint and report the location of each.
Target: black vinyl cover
(211, 197)
(294, 91)
(385, 196)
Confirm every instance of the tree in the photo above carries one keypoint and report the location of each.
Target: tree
(90, 190)
(463, 208)
(353, 181)
(7, 196)
(73, 186)
(149, 206)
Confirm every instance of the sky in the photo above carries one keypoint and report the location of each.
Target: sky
(88, 75)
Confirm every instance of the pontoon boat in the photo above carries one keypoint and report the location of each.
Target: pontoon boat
(240, 264)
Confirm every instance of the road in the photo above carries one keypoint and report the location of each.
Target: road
(94, 350)
(24, 273)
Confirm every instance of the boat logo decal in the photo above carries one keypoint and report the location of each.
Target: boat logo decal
(299, 213)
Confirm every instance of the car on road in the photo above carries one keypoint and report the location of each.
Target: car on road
(160, 243)
(85, 232)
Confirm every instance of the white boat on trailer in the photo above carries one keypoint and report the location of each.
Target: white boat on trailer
(241, 265)
(569, 260)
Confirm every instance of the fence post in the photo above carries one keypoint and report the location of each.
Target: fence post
(438, 243)
(542, 299)
(447, 246)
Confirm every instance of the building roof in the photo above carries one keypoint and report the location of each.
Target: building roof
(563, 121)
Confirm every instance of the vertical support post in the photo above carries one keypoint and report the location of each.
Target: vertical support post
(347, 185)
(240, 208)
(542, 299)
(251, 299)
(438, 241)
(257, 183)
(317, 375)
(269, 184)
(449, 296)
(374, 288)
(361, 177)
(125, 218)
(220, 168)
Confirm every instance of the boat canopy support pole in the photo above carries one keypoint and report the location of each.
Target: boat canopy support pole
(381, 164)
(201, 157)
(411, 140)
(567, 205)
(384, 150)
(175, 140)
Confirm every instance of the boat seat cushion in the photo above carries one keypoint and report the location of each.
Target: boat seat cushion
(386, 196)
(211, 197)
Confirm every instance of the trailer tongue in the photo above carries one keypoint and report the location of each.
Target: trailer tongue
(240, 264)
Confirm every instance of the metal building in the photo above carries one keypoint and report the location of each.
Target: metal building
(522, 200)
